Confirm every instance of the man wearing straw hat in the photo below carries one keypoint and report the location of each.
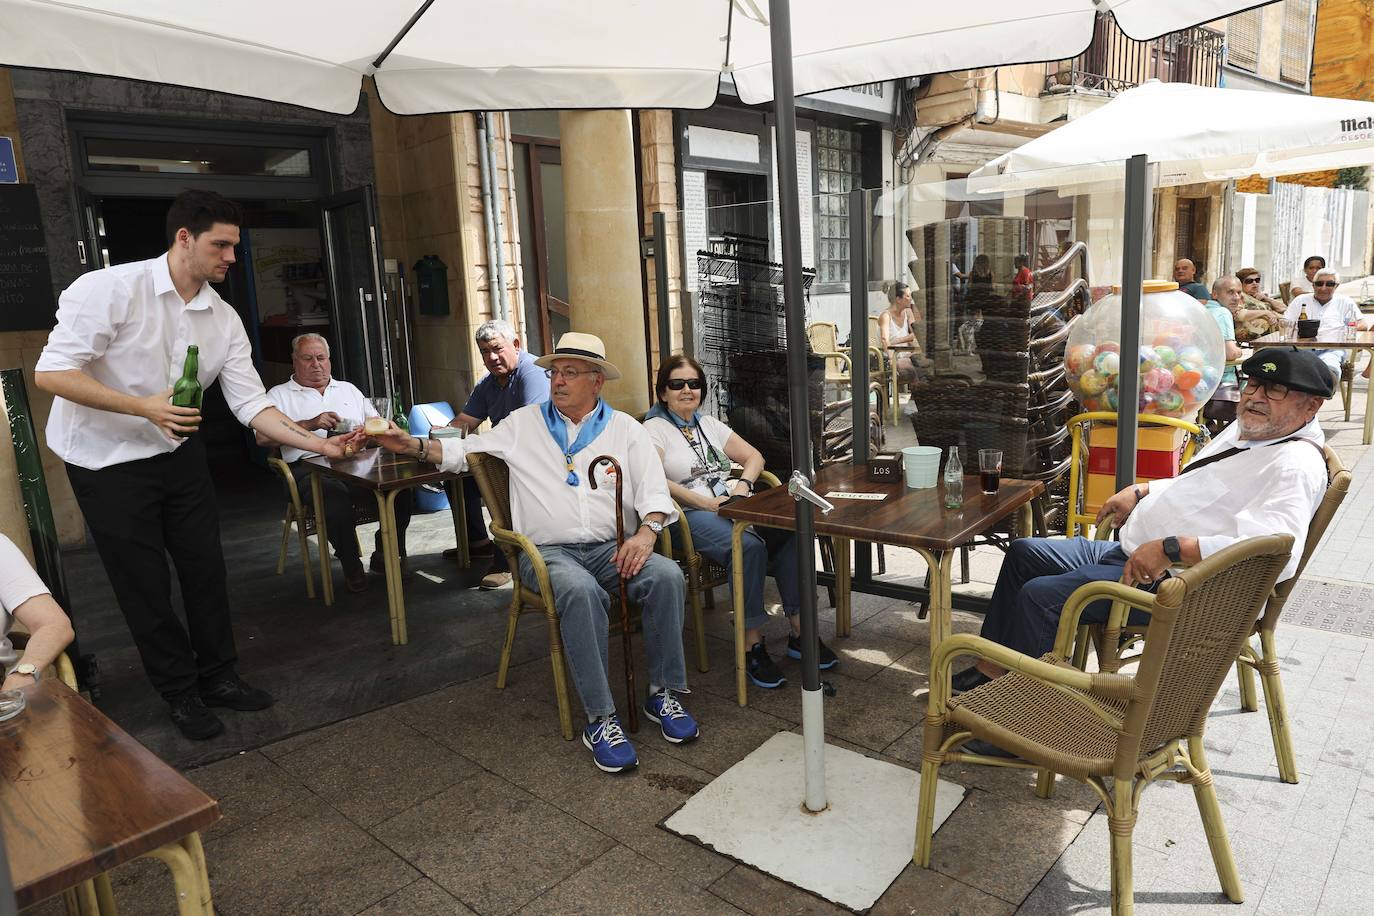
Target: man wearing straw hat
(1276, 439)
(549, 448)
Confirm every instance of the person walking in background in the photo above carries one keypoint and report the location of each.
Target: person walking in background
(136, 466)
(512, 381)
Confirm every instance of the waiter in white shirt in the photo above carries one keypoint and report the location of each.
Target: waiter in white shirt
(1333, 310)
(549, 449)
(1275, 445)
(138, 471)
(319, 402)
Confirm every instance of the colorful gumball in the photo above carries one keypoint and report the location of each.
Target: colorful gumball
(1157, 380)
(1210, 375)
(1091, 404)
(1168, 401)
(1188, 378)
(1167, 355)
(1147, 402)
(1149, 360)
(1092, 383)
(1079, 357)
(1110, 397)
(1108, 347)
(1108, 363)
(1192, 357)
(1202, 392)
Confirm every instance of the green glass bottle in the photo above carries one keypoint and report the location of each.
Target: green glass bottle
(398, 408)
(187, 391)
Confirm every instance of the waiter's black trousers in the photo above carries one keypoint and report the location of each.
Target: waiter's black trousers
(139, 512)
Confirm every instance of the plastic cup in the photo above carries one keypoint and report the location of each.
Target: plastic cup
(375, 426)
(921, 466)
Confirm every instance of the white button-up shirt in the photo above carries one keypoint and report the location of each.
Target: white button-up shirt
(543, 507)
(128, 328)
(1333, 314)
(300, 403)
(1266, 489)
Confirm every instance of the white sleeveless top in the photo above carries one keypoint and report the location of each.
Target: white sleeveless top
(894, 329)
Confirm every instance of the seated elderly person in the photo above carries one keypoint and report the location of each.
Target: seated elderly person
(1258, 313)
(319, 402)
(549, 449)
(1182, 519)
(1334, 311)
(697, 452)
(24, 597)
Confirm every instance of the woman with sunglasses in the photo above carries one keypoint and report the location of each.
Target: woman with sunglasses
(1258, 313)
(698, 452)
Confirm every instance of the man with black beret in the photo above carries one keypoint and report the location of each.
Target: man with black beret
(1183, 519)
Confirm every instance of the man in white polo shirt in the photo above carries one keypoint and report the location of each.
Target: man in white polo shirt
(138, 470)
(549, 449)
(1333, 310)
(319, 402)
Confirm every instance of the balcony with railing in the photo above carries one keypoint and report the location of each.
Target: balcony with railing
(1115, 62)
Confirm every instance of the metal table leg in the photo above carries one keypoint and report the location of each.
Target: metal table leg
(322, 535)
(737, 600)
(457, 499)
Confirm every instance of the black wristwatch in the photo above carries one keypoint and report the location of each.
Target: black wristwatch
(1171, 549)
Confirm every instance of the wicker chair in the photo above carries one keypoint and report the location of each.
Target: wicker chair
(703, 577)
(1265, 659)
(301, 513)
(1114, 732)
(823, 336)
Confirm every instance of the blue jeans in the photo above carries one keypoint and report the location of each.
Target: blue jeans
(1038, 575)
(584, 583)
(711, 537)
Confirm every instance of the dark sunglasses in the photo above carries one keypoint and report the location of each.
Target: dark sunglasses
(1326, 283)
(677, 384)
(1254, 279)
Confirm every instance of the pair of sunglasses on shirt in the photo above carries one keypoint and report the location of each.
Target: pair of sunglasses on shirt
(677, 384)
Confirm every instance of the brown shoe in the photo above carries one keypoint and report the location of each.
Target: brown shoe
(355, 577)
(495, 580)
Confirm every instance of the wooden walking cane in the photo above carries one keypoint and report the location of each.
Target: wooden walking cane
(631, 695)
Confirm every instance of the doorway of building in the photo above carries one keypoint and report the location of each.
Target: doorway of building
(737, 204)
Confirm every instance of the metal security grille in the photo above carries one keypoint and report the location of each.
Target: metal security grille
(1243, 40)
(1296, 53)
(837, 173)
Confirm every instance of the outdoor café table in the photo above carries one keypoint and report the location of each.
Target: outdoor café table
(1333, 340)
(386, 475)
(903, 518)
(79, 796)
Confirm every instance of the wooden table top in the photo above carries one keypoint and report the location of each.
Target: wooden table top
(1329, 341)
(79, 796)
(378, 469)
(906, 518)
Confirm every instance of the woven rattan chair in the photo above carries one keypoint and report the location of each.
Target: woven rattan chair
(1264, 658)
(301, 513)
(1113, 731)
(703, 577)
(824, 339)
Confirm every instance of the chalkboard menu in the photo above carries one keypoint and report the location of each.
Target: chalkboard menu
(26, 300)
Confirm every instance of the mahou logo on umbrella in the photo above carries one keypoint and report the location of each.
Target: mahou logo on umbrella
(1357, 126)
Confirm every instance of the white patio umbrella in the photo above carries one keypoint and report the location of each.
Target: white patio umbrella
(1192, 134)
(456, 55)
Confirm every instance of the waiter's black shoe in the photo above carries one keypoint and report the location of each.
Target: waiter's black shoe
(231, 692)
(192, 719)
(967, 680)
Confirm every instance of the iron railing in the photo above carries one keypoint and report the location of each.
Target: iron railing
(1115, 62)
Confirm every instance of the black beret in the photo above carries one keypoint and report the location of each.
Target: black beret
(1300, 370)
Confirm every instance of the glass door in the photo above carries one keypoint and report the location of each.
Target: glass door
(362, 346)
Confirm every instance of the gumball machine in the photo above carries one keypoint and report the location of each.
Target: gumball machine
(1182, 354)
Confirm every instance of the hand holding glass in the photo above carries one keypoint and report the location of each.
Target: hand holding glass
(375, 426)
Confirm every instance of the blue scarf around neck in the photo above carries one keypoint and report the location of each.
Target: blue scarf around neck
(661, 410)
(592, 426)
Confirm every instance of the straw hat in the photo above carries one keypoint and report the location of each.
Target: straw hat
(586, 347)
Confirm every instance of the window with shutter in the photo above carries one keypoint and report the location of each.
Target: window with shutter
(1296, 51)
(1243, 39)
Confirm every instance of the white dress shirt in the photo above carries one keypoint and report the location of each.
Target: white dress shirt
(1333, 314)
(1266, 489)
(128, 328)
(18, 583)
(543, 507)
(300, 403)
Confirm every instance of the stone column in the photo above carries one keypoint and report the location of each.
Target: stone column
(602, 223)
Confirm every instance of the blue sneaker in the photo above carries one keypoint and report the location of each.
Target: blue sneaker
(827, 658)
(611, 750)
(676, 723)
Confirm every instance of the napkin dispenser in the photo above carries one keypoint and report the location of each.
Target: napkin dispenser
(885, 468)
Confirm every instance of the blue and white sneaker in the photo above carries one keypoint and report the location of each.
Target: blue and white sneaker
(826, 658)
(611, 750)
(676, 723)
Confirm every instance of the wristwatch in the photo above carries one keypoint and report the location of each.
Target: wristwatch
(655, 527)
(27, 668)
(1171, 549)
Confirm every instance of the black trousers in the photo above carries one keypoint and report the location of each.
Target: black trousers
(139, 512)
(340, 516)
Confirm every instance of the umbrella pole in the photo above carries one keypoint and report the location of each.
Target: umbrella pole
(789, 221)
(1135, 248)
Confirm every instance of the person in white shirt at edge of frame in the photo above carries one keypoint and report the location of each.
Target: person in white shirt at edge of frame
(1302, 280)
(697, 452)
(1333, 310)
(549, 449)
(24, 598)
(512, 381)
(321, 403)
(136, 466)
(1180, 520)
